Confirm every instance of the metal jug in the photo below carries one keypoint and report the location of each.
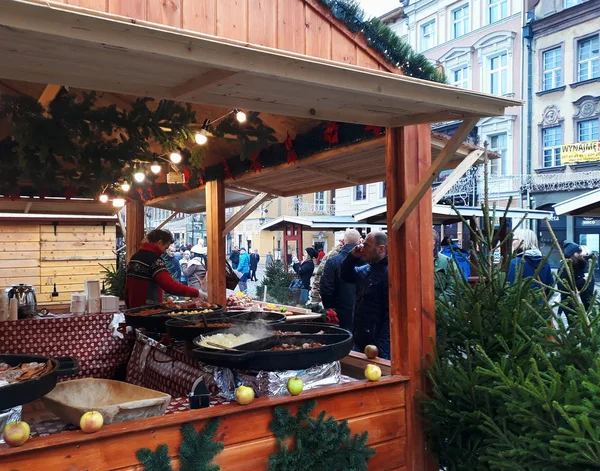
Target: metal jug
(27, 300)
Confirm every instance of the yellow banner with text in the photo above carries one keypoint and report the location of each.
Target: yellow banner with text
(588, 151)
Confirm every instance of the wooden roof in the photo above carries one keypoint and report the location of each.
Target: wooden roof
(55, 44)
(35, 207)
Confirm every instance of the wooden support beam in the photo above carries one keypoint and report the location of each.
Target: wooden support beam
(166, 221)
(410, 274)
(215, 224)
(27, 207)
(134, 214)
(48, 95)
(243, 213)
(197, 84)
(432, 173)
(456, 175)
(331, 174)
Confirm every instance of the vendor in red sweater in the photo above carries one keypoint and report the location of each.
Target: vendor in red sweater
(147, 275)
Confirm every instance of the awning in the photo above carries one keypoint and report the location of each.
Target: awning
(60, 44)
(26, 208)
(587, 204)
(444, 214)
(194, 201)
(317, 223)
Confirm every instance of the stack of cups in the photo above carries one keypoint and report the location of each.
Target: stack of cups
(110, 304)
(92, 292)
(78, 303)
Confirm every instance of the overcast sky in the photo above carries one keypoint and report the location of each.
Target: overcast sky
(378, 7)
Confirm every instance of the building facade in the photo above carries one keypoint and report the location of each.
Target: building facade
(562, 39)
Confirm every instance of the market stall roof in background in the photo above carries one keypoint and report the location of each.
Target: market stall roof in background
(321, 223)
(56, 208)
(59, 44)
(587, 205)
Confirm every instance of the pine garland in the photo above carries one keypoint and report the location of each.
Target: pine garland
(319, 443)
(196, 452)
(384, 40)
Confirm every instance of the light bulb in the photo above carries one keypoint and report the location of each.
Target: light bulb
(155, 167)
(103, 198)
(125, 186)
(240, 116)
(201, 138)
(139, 177)
(175, 157)
(118, 202)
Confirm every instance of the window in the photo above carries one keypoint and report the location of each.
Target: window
(499, 74)
(498, 10)
(551, 141)
(572, 3)
(428, 35)
(460, 77)
(460, 21)
(588, 59)
(552, 68)
(588, 130)
(360, 192)
(498, 144)
(320, 202)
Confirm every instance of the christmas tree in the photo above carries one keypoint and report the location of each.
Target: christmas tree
(277, 281)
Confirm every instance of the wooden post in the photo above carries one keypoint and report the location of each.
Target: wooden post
(412, 305)
(215, 224)
(134, 220)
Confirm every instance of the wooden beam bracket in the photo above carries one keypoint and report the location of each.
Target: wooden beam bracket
(456, 175)
(243, 213)
(432, 173)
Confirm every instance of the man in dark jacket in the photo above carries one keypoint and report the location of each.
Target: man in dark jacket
(336, 293)
(585, 287)
(254, 259)
(371, 307)
(234, 256)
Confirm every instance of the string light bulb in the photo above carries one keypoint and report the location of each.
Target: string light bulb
(103, 198)
(155, 168)
(125, 187)
(118, 202)
(175, 157)
(201, 138)
(139, 176)
(240, 116)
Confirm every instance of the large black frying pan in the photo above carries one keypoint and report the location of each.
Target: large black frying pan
(156, 322)
(29, 390)
(181, 329)
(257, 355)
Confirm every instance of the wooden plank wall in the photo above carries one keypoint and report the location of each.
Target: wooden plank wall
(376, 407)
(302, 26)
(33, 254)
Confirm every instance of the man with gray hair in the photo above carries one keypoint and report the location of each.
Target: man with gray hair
(336, 293)
(371, 325)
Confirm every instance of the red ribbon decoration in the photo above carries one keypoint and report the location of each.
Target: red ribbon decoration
(376, 130)
(331, 133)
(150, 192)
(255, 164)
(70, 192)
(187, 175)
(227, 170)
(17, 195)
(141, 193)
(290, 152)
(201, 177)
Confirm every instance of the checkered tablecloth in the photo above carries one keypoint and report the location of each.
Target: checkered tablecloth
(86, 337)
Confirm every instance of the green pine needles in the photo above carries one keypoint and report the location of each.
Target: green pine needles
(196, 452)
(513, 386)
(384, 40)
(319, 443)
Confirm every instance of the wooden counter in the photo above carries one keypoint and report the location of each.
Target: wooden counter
(378, 408)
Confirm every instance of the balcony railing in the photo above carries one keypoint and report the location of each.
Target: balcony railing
(311, 209)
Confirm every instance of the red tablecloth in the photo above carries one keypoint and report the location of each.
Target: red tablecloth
(86, 337)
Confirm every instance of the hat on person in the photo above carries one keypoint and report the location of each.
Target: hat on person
(312, 252)
(570, 248)
(242, 248)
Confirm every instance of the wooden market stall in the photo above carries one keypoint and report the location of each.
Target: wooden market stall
(51, 43)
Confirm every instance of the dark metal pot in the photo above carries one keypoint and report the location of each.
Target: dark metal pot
(27, 299)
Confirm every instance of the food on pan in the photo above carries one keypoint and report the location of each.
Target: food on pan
(285, 346)
(146, 312)
(227, 340)
(222, 325)
(14, 374)
(279, 332)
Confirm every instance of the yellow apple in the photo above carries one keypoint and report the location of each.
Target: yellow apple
(372, 372)
(244, 395)
(91, 422)
(16, 433)
(294, 386)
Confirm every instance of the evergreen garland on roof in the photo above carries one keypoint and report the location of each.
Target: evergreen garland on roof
(382, 38)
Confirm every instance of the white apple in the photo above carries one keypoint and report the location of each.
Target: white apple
(16, 433)
(91, 422)
(372, 372)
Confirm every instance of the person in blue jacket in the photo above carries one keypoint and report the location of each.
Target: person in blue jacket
(528, 258)
(460, 257)
(244, 268)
